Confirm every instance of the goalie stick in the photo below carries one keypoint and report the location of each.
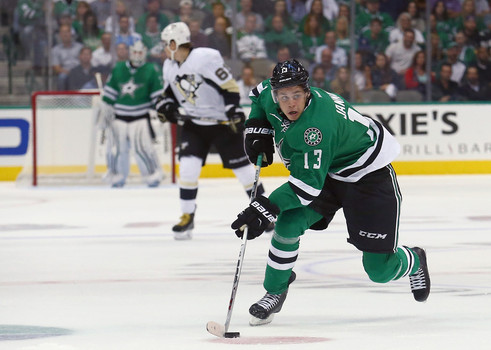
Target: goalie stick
(215, 328)
(100, 87)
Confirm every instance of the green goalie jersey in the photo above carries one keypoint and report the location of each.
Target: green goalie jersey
(133, 91)
(329, 139)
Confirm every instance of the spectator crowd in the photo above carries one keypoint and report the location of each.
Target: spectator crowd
(390, 38)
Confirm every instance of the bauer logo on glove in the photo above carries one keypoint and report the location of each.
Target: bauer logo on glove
(259, 140)
(263, 211)
(257, 217)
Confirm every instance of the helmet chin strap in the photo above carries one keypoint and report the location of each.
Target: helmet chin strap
(172, 53)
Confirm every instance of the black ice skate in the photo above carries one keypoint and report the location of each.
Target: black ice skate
(420, 280)
(184, 229)
(263, 311)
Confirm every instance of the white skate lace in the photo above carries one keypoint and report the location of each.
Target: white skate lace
(417, 280)
(269, 301)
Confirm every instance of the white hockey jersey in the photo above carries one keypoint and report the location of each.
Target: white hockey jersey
(197, 82)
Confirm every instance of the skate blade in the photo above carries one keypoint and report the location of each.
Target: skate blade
(183, 236)
(254, 321)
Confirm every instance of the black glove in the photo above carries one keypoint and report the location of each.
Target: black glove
(167, 109)
(257, 216)
(236, 118)
(259, 140)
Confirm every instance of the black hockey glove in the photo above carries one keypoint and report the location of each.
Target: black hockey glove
(236, 118)
(167, 109)
(257, 216)
(259, 140)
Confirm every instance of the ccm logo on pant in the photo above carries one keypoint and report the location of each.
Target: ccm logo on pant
(372, 235)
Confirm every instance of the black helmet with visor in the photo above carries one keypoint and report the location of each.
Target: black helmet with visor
(289, 73)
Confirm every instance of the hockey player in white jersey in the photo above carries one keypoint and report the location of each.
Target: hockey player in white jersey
(131, 91)
(197, 80)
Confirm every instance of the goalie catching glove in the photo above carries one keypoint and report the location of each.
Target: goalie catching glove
(257, 217)
(259, 140)
(236, 118)
(167, 109)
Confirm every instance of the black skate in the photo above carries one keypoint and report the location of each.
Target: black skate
(420, 280)
(184, 229)
(263, 311)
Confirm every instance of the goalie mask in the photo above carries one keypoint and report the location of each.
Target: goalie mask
(289, 73)
(177, 32)
(138, 54)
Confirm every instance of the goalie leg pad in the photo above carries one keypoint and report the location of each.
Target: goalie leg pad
(145, 154)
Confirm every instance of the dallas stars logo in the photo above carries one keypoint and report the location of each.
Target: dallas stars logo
(129, 88)
(312, 136)
(285, 124)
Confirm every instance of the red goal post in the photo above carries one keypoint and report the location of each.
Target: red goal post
(68, 148)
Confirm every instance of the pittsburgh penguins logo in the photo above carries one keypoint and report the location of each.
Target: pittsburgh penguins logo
(187, 84)
(312, 136)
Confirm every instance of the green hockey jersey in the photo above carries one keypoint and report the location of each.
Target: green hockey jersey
(133, 91)
(329, 139)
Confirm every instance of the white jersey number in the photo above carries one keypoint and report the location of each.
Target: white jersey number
(354, 116)
(317, 159)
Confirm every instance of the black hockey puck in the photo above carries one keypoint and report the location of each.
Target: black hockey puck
(232, 335)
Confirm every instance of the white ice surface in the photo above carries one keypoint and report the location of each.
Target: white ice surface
(98, 268)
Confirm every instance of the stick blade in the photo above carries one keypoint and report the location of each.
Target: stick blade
(216, 329)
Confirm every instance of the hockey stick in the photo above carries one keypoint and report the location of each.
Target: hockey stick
(230, 123)
(213, 327)
(100, 87)
(185, 117)
(204, 119)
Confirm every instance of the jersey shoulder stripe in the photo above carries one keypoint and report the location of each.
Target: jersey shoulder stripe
(258, 89)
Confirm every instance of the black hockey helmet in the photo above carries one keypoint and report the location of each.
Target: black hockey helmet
(289, 73)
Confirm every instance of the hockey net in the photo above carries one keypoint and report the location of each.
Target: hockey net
(68, 148)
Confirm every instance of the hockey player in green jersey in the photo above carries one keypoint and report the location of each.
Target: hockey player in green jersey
(337, 158)
(130, 92)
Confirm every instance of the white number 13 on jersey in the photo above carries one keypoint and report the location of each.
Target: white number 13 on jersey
(317, 159)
